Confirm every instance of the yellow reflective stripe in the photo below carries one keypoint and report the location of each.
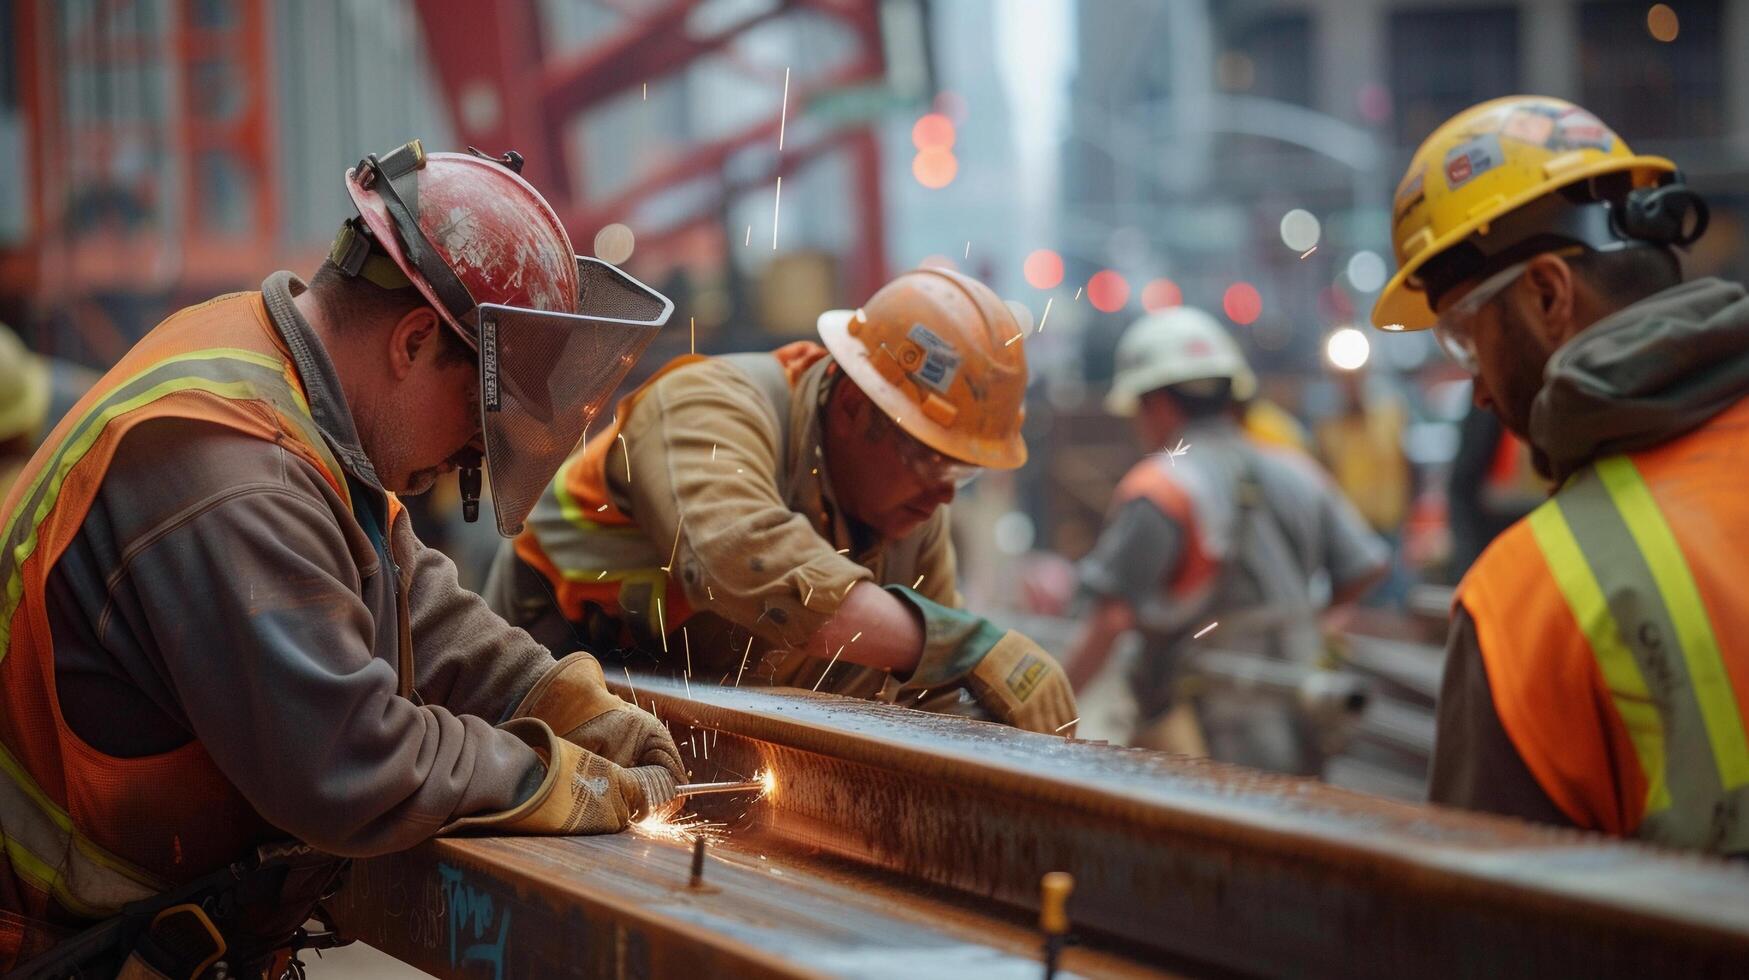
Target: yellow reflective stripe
(1633, 701)
(1694, 629)
(46, 849)
(69, 458)
(569, 509)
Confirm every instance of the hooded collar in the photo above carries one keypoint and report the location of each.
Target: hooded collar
(1643, 375)
(321, 382)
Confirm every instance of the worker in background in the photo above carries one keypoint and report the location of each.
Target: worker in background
(781, 518)
(1212, 526)
(221, 632)
(35, 391)
(1597, 672)
(1362, 447)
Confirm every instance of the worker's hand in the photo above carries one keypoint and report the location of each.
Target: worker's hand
(581, 794)
(1012, 677)
(572, 697)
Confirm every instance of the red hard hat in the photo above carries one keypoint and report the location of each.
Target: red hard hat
(495, 233)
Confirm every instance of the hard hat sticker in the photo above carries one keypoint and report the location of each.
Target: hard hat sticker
(940, 360)
(1529, 126)
(1580, 130)
(1471, 158)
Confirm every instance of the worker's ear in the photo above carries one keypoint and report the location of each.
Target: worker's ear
(413, 335)
(1550, 286)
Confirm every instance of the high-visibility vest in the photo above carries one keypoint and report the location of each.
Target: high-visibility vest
(1614, 625)
(595, 557)
(87, 832)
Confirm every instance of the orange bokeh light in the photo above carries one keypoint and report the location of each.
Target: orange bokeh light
(1242, 303)
(1160, 294)
(933, 132)
(1108, 291)
(1043, 269)
(935, 168)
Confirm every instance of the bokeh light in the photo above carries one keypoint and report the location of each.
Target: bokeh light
(1043, 269)
(1242, 303)
(1300, 230)
(1347, 349)
(1108, 291)
(614, 243)
(1161, 294)
(935, 168)
(1366, 271)
(933, 132)
(1662, 23)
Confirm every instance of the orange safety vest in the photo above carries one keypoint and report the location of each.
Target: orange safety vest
(1614, 625)
(87, 832)
(594, 555)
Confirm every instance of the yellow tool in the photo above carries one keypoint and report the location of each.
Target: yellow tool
(1053, 916)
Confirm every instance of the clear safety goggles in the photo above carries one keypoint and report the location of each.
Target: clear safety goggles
(544, 377)
(1453, 328)
(931, 467)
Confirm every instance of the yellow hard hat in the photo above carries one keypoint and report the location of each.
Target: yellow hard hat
(940, 354)
(1482, 165)
(24, 388)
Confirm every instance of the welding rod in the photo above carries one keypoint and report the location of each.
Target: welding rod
(700, 789)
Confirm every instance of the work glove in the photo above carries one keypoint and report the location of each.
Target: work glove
(1012, 677)
(572, 697)
(582, 792)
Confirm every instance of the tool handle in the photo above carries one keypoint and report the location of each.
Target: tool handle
(1054, 889)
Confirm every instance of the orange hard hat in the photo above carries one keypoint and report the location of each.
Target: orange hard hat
(941, 355)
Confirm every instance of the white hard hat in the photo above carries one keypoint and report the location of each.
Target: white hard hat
(1172, 347)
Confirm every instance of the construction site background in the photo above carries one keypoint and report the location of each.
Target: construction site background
(763, 160)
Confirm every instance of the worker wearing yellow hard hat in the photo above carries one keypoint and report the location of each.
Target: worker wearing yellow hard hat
(781, 518)
(1598, 666)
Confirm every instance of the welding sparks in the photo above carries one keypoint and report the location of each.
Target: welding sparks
(783, 113)
(1078, 293)
(688, 640)
(858, 636)
(662, 624)
(844, 551)
(600, 575)
(830, 664)
(968, 249)
(1177, 451)
(1011, 340)
(709, 595)
(749, 239)
(667, 824)
(713, 452)
(646, 91)
(810, 595)
(629, 685)
(919, 581)
(1204, 631)
(1308, 251)
(674, 551)
(602, 509)
(1047, 316)
(776, 209)
(1066, 724)
(692, 322)
(744, 656)
(628, 454)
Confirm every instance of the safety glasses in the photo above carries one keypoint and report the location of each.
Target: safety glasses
(1453, 329)
(931, 467)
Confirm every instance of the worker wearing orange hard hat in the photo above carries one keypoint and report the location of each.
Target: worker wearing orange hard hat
(1598, 665)
(226, 661)
(781, 518)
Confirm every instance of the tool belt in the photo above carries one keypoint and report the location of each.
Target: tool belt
(247, 918)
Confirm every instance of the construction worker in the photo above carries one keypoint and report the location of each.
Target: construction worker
(723, 524)
(219, 629)
(35, 392)
(1214, 526)
(1597, 671)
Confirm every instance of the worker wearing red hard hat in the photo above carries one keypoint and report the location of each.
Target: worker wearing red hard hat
(1597, 671)
(781, 518)
(220, 633)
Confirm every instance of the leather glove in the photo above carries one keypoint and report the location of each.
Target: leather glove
(582, 793)
(572, 697)
(1012, 677)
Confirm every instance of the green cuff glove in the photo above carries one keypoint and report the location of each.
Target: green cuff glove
(954, 641)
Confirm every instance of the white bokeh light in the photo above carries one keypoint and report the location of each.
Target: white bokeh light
(1347, 349)
(614, 243)
(1300, 230)
(1366, 271)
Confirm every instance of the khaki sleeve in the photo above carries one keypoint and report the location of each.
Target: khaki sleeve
(703, 459)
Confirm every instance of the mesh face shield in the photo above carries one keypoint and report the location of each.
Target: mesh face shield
(544, 377)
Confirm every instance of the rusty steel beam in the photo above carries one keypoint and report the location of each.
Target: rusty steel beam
(1208, 863)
